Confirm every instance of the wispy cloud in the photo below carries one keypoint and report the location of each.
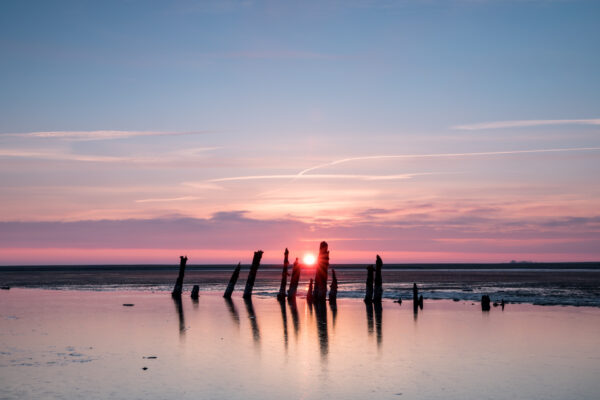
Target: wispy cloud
(525, 123)
(61, 155)
(320, 176)
(97, 135)
(168, 200)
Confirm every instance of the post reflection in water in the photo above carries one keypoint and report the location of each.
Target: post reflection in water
(253, 321)
(333, 306)
(284, 319)
(369, 308)
(179, 309)
(378, 318)
(295, 319)
(233, 311)
(321, 313)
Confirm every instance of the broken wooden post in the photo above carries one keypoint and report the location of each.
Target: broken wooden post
(369, 290)
(485, 303)
(176, 293)
(309, 294)
(195, 292)
(294, 280)
(232, 281)
(421, 302)
(415, 298)
(333, 288)
(284, 274)
(320, 290)
(378, 281)
(252, 275)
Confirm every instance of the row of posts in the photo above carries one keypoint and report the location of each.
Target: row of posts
(317, 289)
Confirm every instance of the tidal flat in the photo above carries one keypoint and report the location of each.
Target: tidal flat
(71, 344)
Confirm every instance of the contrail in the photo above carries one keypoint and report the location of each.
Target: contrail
(526, 123)
(443, 155)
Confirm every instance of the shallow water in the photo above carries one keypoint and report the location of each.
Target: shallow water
(86, 344)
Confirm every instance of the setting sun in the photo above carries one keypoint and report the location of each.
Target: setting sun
(309, 259)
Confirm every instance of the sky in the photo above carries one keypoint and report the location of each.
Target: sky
(422, 131)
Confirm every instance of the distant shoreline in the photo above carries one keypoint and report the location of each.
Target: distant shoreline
(220, 267)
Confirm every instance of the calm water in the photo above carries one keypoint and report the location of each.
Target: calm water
(86, 344)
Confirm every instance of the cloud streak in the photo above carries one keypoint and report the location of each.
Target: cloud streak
(97, 135)
(525, 123)
(320, 176)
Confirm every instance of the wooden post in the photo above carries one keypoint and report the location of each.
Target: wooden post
(485, 303)
(333, 288)
(309, 294)
(284, 274)
(176, 293)
(252, 275)
(320, 290)
(369, 289)
(232, 281)
(378, 281)
(195, 292)
(294, 280)
(415, 298)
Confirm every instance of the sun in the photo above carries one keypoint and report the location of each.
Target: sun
(309, 259)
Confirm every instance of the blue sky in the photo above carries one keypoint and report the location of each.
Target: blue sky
(151, 105)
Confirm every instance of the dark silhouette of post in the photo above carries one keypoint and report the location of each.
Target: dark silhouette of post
(369, 289)
(232, 281)
(284, 274)
(322, 331)
(309, 293)
(378, 281)
(176, 293)
(294, 280)
(485, 303)
(195, 292)
(320, 289)
(252, 275)
(415, 297)
(333, 288)
(253, 320)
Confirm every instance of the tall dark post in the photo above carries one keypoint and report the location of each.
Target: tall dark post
(378, 281)
(309, 293)
(284, 274)
(252, 275)
(176, 293)
(320, 290)
(415, 298)
(369, 289)
(294, 280)
(333, 288)
(232, 281)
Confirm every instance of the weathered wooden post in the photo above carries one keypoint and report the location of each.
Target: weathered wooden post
(378, 281)
(195, 292)
(369, 289)
(415, 298)
(176, 293)
(294, 280)
(485, 303)
(284, 274)
(309, 293)
(252, 275)
(333, 288)
(232, 281)
(320, 290)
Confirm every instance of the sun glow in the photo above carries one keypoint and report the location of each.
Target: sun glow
(309, 259)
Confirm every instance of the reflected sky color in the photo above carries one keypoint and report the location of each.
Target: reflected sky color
(438, 131)
(64, 344)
